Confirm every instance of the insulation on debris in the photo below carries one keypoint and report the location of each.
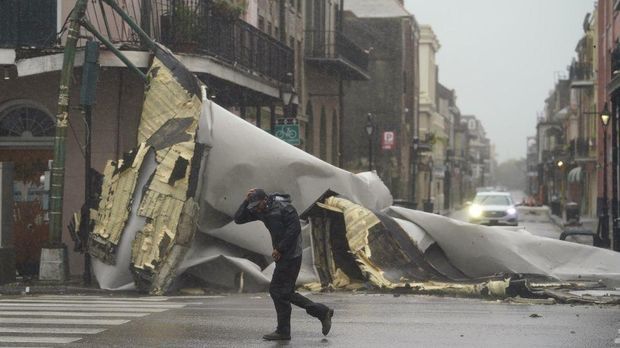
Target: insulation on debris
(403, 250)
(166, 205)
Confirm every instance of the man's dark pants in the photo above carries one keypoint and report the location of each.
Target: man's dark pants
(282, 291)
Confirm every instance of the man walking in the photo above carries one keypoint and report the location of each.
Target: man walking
(281, 219)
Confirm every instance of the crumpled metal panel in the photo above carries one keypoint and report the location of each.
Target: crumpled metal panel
(116, 193)
(168, 126)
(397, 254)
(200, 173)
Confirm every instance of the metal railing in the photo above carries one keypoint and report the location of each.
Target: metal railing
(581, 72)
(186, 26)
(28, 23)
(334, 45)
(580, 148)
(615, 60)
(197, 26)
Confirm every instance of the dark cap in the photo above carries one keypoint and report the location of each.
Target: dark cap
(255, 198)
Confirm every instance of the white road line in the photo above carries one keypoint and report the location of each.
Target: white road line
(146, 299)
(98, 304)
(54, 321)
(42, 307)
(51, 330)
(26, 339)
(617, 341)
(70, 314)
(89, 301)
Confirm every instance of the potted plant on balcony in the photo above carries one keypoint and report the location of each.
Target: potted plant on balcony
(228, 9)
(181, 27)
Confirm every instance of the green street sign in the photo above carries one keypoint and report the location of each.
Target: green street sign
(288, 133)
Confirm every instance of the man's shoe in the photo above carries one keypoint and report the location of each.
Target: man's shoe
(276, 336)
(327, 321)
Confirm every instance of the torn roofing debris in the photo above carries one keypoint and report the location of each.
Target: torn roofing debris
(166, 208)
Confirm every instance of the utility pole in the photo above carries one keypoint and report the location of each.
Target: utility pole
(54, 265)
(614, 175)
(90, 73)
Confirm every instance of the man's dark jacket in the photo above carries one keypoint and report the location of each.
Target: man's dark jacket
(282, 221)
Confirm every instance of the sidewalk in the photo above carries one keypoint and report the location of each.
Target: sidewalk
(586, 223)
(74, 285)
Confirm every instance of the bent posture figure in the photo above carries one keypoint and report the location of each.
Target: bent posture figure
(281, 219)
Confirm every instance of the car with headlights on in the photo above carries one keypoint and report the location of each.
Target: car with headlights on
(493, 208)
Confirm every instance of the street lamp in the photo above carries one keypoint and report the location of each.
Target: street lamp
(370, 128)
(289, 98)
(602, 239)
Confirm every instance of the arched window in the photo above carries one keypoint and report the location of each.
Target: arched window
(323, 134)
(309, 129)
(335, 138)
(25, 122)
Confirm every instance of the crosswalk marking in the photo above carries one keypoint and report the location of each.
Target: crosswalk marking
(99, 302)
(62, 321)
(44, 307)
(147, 299)
(57, 319)
(71, 314)
(38, 339)
(50, 330)
(81, 305)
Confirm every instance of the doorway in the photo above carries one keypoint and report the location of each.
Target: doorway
(26, 139)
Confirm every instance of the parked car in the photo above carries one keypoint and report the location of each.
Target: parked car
(493, 208)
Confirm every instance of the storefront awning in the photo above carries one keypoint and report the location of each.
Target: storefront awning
(575, 175)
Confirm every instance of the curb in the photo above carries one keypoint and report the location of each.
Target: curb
(30, 289)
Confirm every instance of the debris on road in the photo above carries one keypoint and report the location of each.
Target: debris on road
(166, 210)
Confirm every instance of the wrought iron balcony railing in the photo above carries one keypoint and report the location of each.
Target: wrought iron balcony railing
(27, 23)
(581, 72)
(580, 148)
(333, 50)
(203, 27)
(192, 26)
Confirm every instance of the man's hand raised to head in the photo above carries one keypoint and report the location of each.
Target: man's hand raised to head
(250, 192)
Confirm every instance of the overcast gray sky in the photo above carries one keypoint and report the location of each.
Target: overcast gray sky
(503, 57)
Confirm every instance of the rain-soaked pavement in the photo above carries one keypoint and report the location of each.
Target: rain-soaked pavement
(362, 320)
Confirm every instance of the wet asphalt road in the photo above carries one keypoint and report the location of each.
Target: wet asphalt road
(361, 320)
(368, 321)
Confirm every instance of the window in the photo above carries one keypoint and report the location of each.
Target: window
(269, 28)
(23, 120)
(261, 23)
(323, 135)
(335, 137)
(309, 129)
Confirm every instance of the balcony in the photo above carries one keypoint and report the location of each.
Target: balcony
(28, 24)
(614, 84)
(200, 27)
(580, 149)
(581, 75)
(332, 51)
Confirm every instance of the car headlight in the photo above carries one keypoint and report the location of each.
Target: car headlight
(511, 211)
(475, 211)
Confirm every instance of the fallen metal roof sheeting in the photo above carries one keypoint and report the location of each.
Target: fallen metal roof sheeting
(193, 165)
